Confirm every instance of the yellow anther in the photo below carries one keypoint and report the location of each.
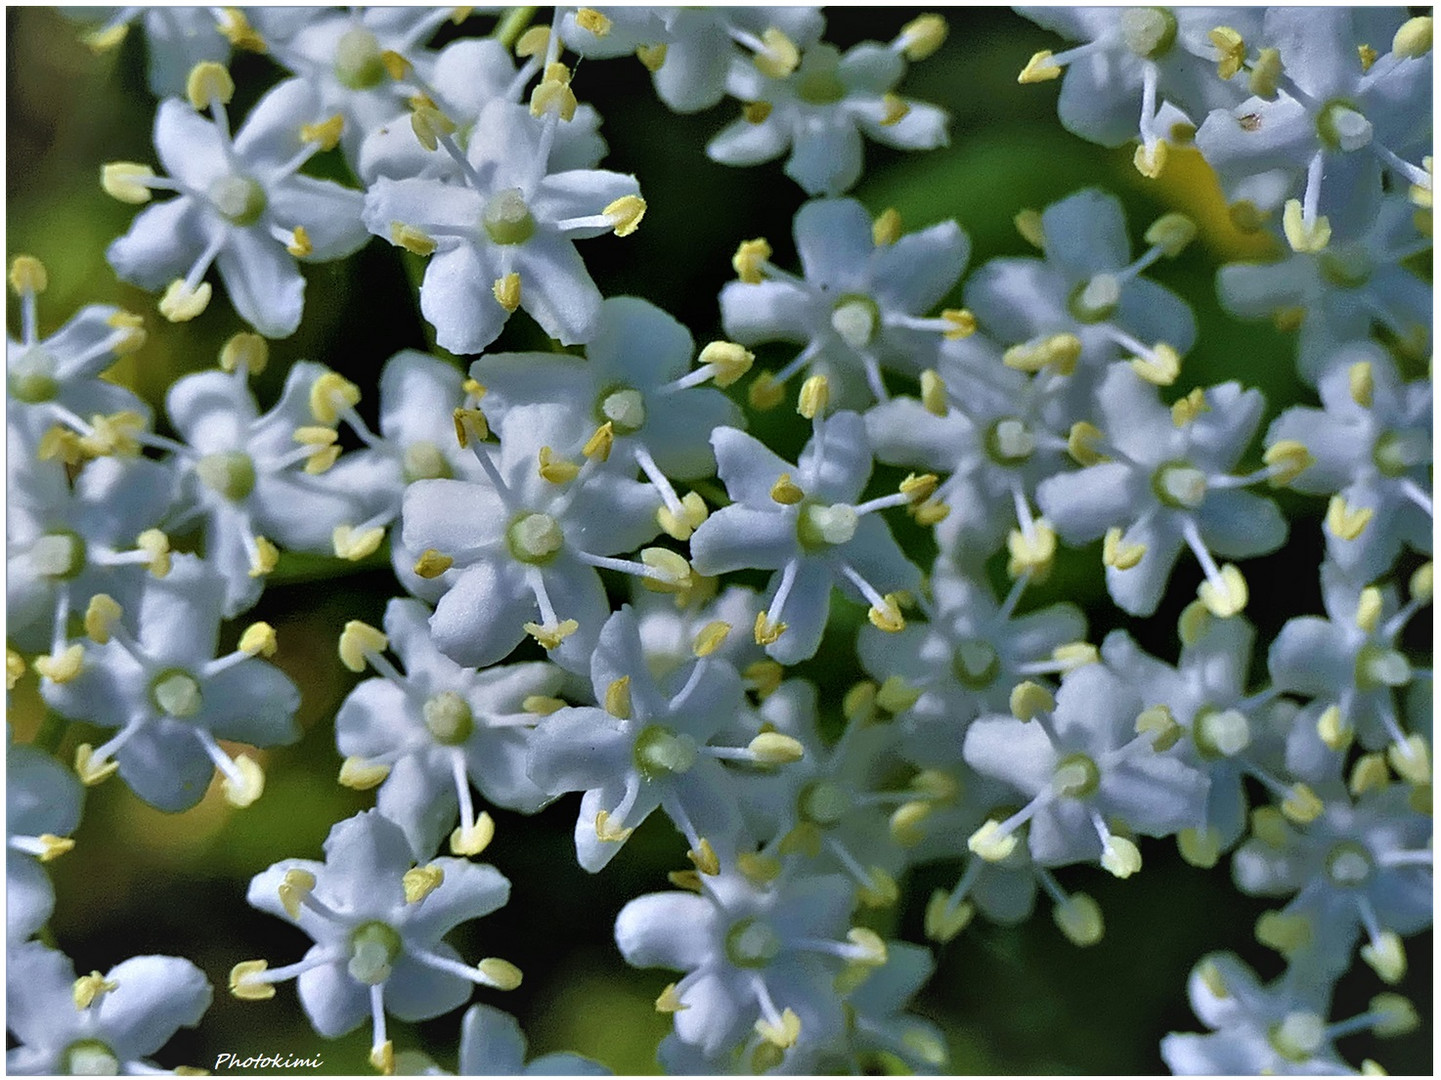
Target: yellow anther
(887, 615)
(1397, 1016)
(894, 110)
(1284, 933)
(356, 640)
(1287, 459)
(1303, 236)
(669, 1001)
(1421, 196)
(471, 840)
(674, 572)
(1368, 56)
(125, 181)
(1039, 68)
(14, 668)
(259, 640)
(1368, 608)
(1288, 319)
(1150, 161)
(90, 987)
(764, 676)
(354, 545)
(473, 389)
(1413, 39)
(711, 637)
(554, 95)
(990, 843)
(780, 56)
(933, 393)
(1160, 367)
(652, 57)
(114, 434)
(1030, 699)
(1369, 774)
(556, 470)
(242, 790)
(330, 396)
(607, 832)
(181, 303)
(1370, 1067)
(396, 66)
(63, 666)
(886, 229)
(1332, 728)
(907, 824)
(1231, 50)
(1059, 352)
(704, 858)
(873, 948)
(325, 134)
(1265, 77)
(360, 775)
(1160, 722)
(922, 36)
(942, 923)
(315, 435)
(236, 29)
(1269, 826)
(265, 557)
(680, 526)
(815, 395)
(1031, 227)
(756, 112)
(625, 214)
(682, 879)
(244, 349)
(600, 443)
(1227, 597)
(132, 337)
(534, 42)
(782, 1035)
(1411, 759)
(53, 846)
(758, 869)
(106, 38)
(412, 239)
(470, 424)
(1301, 805)
(767, 632)
(729, 360)
(1084, 442)
(1343, 522)
(804, 839)
(89, 770)
(1118, 554)
(1079, 918)
(1246, 217)
(294, 889)
(540, 705)
(617, 698)
(1031, 554)
(245, 986)
(209, 82)
(1185, 410)
(859, 704)
(555, 71)
(785, 491)
(895, 695)
(748, 260)
(420, 881)
(880, 890)
(1361, 381)
(1422, 582)
(962, 324)
(551, 635)
(100, 616)
(930, 513)
(1075, 654)
(432, 564)
(773, 748)
(1120, 856)
(1386, 957)
(1200, 847)
(382, 1058)
(300, 245)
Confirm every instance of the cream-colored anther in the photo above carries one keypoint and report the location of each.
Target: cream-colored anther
(1160, 722)
(1029, 224)
(506, 291)
(551, 635)
(704, 858)
(89, 770)
(680, 526)
(1301, 804)
(608, 832)
(125, 181)
(259, 640)
(325, 134)
(1413, 39)
(766, 631)
(887, 615)
(471, 840)
(1185, 410)
(1031, 554)
(432, 564)
(469, 424)
(1030, 699)
(553, 94)
(1333, 729)
(1386, 956)
(1227, 597)
(1120, 856)
(356, 544)
(245, 349)
(730, 361)
(990, 843)
(942, 923)
(617, 698)
(207, 82)
(625, 214)
(1160, 366)
(886, 229)
(382, 1058)
(1084, 441)
(420, 881)
(90, 988)
(779, 57)
(242, 789)
(749, 259)
(673, 571)
(236, 29)
(711, 637)
(815, 395)
(1411, 759)
(556, 470)
(416, 241)
(933, 393)
(600, 443)
(245, 986)
(1305, 237)
(1368, 608)
(356, 640)
(294, 889)
(961, 323)
(1039, 68)
(1200, 847)
(1346, 523)
(1284, 933)
(669, 1001)
(1172, 233)
(1119, 555)
(1230, 49)
(1150, 161)
(785, 491)
(782, 1035)
(773, 748)
(14, 668)
(28, 276)
(893, 110)
(102, 613)
(919, 488)
(181, 303)
(534, 42)
(430, 125)
(922, 36)
(1079, 918)
(1362, 383)
(330, 396)
(265, 557)
(132, 337)
(360, 775)
(63, 666)
(1287, 459)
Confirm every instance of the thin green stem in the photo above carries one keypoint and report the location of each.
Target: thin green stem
(512, 24)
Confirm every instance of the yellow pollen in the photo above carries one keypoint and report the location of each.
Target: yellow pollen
(785, 491)
(551, 636)
(815, 395)
(396, 66)
(919, 488)
(242, 986)
(539, 705)
(412, 239)
(54, 846)
(704, 858)
(360, 775)
(299, 245)
(500, 974)
(265, 557)
(470, 424)
(609, 833)
(922, 36)
(355, 545)
(780, 56)
(592, 21)
(711, 637)
(1039, 69)
(1287, 459)
(325, 134)
(382, 1058)
(767, 632)
(599, 444)
(250, 785)
(669, 1001)
(252, 350)
(14, 668)
(1083, 443)
(556, 470)
(1161, 367)
(1413, 39)
(472, 840)
(773, 748)
(89, 770)
(1030, 699)
(1368, 57)
(680, 527)
(63, 666)
(1307, 238)
(1368, 608)
(100, 616)
(315, 435)
(1346, 523)
(894, 109)
(1171, 233)
(1150, 161)
(962, 324)
(748, 259)
(430, 126)
(886, 229)
(626, 214)
(888, 616)
(207, 82)
(1362, 383)
(356, 640)
(125, 181)
(731, 361)
(534, 42)
(1031, 555)
(432, 564)
(236, 29)
(652, 56)
(617, 698)
(554, 95)
(259, 640)
(421, 881)
(1231, 48)
(180, 303)
(330, 396)
(1265, 77)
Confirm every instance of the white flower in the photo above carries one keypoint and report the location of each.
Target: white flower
(42, 808)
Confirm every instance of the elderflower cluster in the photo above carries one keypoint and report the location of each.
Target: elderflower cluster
(611, 578)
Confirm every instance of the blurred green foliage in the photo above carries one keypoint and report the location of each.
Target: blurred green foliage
(1010, 1000)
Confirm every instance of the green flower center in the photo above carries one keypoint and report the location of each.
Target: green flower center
(818, 80)
(975, 663)
(856, 319)
(507, 218)
(1179, 485)
(424, 461)
(819, 526)
(357, 60)
(90, 1057)
(1347, 266)
(659, 751)
(1148, 32)
(1221, 733)
(1378, 666)
(239, 199)
(823, 802)
(1095, 300)
(58, 555)
(176, 693)
(534, 538)
(1298, 1036)
(624, 408)
(1009, 441)
(32, 377)
(1341, 126)
(751, 943)
(1349, 865)
(1397, 453)
(449, 718)
(230, 473)
(373, 949)
(1076, 776)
